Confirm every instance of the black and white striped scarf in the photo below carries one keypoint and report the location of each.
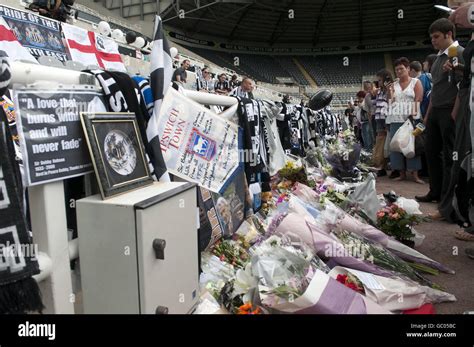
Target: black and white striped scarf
(160, 78)
(5, 72)
(256, 144)
(19, 292)
(122, 94)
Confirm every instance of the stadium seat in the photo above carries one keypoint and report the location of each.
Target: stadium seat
(50, 61)
(74, 65)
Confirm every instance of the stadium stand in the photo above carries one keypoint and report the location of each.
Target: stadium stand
(342, 69)
(286, 63)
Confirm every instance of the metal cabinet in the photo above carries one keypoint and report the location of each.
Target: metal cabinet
(139, 251)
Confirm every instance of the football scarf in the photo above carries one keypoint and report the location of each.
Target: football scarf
(19, 292)
(122, 94)
(255, 140)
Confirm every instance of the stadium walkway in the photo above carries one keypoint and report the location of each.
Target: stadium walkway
(439, 245)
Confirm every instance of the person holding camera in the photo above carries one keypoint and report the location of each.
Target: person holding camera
(363, 119)
(384, 78)
(405, 94)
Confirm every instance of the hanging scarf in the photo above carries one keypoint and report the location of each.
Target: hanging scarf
(146, 93)
(122, 94)
(255, 141)
(19, 292)
(5, 72)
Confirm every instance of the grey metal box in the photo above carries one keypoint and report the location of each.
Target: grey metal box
(121, 271)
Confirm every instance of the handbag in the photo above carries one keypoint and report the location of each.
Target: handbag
(419, 140)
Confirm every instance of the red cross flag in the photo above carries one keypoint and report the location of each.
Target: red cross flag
(90, 48)
(11, 46)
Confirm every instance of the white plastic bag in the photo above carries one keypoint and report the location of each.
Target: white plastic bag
(409, 205)
(403, 141)
(418, 238)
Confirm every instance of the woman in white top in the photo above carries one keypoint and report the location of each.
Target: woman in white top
(405, 95)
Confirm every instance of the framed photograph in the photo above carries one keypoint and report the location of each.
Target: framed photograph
(117, 152)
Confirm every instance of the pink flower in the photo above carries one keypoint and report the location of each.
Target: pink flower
(395, 216)
(380, 214)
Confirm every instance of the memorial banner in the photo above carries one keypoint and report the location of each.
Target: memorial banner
(197, 144)
(51, 137)
(40, 35)
(220, 215)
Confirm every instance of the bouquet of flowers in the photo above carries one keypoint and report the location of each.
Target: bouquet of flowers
(395, 221)
(343, 158)
(334, 196)
(248, 308)
(315, 157)
(350, 281)
(368, 251)
(294, 173)
(283, 271)
(233, 252)
(387, 291)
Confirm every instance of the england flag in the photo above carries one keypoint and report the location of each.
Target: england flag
(160, 78)
(90, 48)
(10, 45)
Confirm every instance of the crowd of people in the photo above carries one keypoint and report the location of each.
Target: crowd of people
(383, 106)
(434, 93)
(222, 84)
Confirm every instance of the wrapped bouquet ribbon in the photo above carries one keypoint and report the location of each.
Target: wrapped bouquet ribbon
(387, 291)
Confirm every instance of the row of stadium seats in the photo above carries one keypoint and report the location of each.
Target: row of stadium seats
(69, 64)
(342, 69)
(287, 63)
(342, 98)
(263, 68)
(326, 70)
(76, 66)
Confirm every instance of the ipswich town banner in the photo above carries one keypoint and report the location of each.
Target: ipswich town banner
(40, 35)
(197, 144)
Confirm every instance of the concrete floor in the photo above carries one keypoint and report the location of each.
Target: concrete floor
(441, 245)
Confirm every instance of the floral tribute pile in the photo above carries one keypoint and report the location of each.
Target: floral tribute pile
(316, 247)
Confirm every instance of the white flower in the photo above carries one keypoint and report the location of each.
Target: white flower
(244, 281)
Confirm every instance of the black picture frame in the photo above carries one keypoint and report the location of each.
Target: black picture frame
(117, 152)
